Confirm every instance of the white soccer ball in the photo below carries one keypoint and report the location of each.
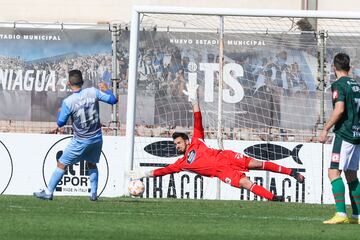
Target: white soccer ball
(136, 187)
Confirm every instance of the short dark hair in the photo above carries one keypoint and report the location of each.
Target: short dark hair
(342, 62)
(180, 134)
(75, 78)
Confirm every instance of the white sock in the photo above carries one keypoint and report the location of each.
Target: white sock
(356, 216)
(341, 214)
(47, 191)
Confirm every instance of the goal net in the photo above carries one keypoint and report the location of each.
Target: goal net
(275, 93)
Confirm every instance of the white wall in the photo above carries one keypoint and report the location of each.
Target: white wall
(92, 11)
(334, 5)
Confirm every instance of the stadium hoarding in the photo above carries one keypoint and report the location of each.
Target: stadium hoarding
(6, 170)
(33, 164)
(269, 79)
(185, 185)
(76, 177)
(34, 63)
(305, 157)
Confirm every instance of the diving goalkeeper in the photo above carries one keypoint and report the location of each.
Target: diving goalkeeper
(226, 165)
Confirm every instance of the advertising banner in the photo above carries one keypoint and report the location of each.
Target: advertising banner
(28, 167)
(269, 79)
(28, 161)
(34, 63)
(304, 157)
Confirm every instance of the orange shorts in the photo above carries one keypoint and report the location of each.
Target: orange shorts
(231, 167)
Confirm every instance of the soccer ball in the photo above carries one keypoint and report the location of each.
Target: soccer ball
(136, 187)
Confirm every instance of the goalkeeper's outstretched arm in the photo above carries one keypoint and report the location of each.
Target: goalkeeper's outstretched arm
(138, 173)
(141, 173)
(196, 107)
(191, 92)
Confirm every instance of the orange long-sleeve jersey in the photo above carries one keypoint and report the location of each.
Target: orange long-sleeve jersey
(198, 158)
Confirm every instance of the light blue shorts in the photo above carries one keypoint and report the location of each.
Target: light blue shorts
(77, 151)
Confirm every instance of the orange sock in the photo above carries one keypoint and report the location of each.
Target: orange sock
(260, 191)
(273, 167)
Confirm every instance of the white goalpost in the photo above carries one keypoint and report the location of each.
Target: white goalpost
(264, 78)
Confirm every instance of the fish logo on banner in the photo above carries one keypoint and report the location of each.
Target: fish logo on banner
(76, 178)
(273, 152)
(6, 170)
(162, 149)
(292, 190)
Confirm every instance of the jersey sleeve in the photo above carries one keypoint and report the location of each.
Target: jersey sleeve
(198, 127)
(63, 115)
(107, 96)
(171, 168)
(338, 93)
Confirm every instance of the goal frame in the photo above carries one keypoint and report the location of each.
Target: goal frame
(221, 12)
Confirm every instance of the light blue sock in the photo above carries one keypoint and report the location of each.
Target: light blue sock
(94, 179)
(55, 179)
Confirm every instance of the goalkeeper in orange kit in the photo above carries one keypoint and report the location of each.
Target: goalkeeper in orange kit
(227, 165)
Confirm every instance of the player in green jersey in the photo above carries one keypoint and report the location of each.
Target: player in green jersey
(346, 143)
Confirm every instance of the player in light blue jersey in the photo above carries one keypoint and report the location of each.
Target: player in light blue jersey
(82, 106)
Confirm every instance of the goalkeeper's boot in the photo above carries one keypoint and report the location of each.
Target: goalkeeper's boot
(93, 197)
(298, 176)
(353, 220)
(42, 195)
(278, 198)
(337, 219)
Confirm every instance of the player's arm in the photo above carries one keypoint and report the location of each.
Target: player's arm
(171, 168)
(198, 127)
(105, 94)
(63, 115)
(195, 107)
(338, 97)
(193, 98)
(334, 118)
(57, 129)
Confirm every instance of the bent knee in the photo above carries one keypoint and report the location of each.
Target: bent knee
(333, 174)
(61, 165)
(245, 183)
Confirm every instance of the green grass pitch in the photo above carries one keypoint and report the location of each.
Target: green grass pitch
(24, 217)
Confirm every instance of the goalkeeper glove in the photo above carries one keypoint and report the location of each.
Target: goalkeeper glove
(138, 173)
(191, 92)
